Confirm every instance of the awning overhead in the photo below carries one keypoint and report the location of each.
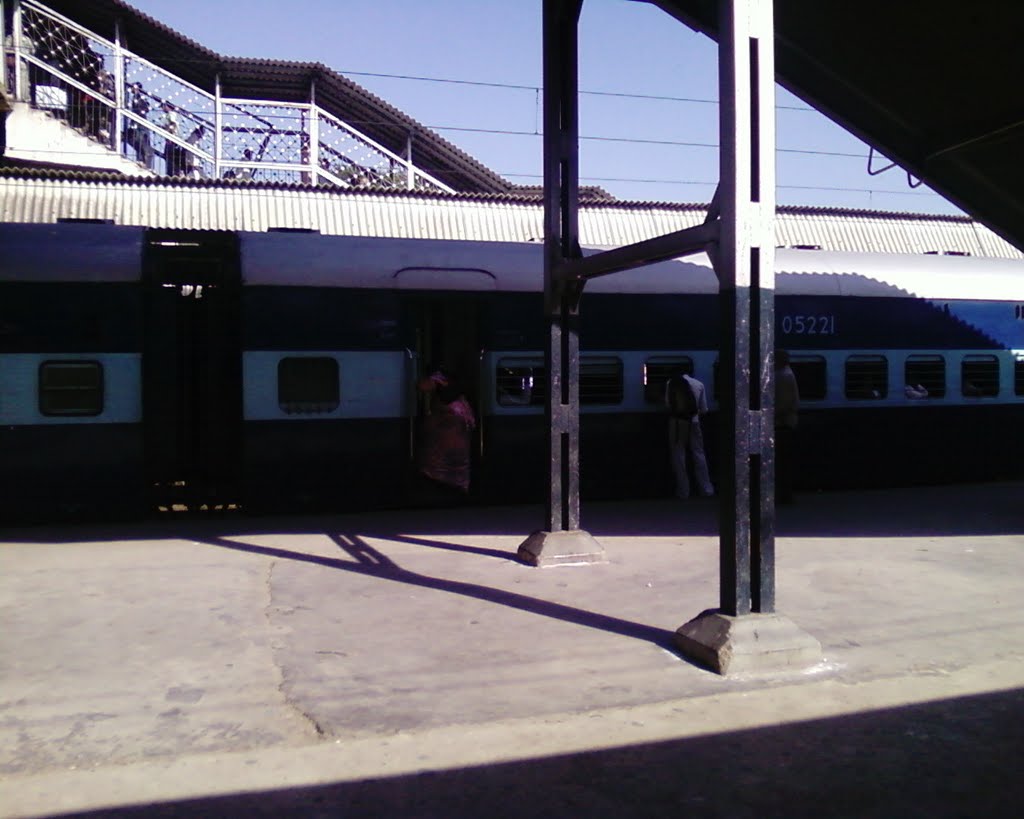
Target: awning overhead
(932, 84)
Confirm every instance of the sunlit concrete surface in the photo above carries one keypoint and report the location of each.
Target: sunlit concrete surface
(322, 662)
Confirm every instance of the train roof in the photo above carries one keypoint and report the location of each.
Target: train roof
(79, 252)
(482, 266)
(890, 274)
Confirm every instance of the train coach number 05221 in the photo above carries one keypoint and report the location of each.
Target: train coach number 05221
(822, 325)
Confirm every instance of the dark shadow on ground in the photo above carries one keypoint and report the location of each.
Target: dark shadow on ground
(370, 561)
(962, 510)
(952, 758)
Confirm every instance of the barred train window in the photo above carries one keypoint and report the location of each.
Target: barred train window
(600, 380)
(928, 371)
(520, 382)
(658, 370)
(308, 386)
(867, 377)
(810, 372)
(1018, 376)
(979, 376)
(70, 388)
(523, 382)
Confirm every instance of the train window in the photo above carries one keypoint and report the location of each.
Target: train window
(867, 377)
(927, 371)
(308, 385)
(810, 372)
(69, 388)
(658, 370)
(1018, 376)
(979, 376)
(520, 382)
(600, 380)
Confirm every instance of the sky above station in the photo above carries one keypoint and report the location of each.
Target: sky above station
(471, 71)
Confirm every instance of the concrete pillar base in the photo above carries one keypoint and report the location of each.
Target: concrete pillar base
(751, 643)
(568, 548)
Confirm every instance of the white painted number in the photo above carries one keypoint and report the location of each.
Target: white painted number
(809, 325)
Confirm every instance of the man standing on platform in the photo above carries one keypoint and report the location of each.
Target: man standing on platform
(787, 404)
(687, 401)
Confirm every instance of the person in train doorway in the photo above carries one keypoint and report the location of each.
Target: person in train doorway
(787, 406)
(687, 401)
(446, 437)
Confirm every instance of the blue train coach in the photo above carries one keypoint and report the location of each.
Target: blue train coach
(145, 368)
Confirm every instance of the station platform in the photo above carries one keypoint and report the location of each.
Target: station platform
(405, 664)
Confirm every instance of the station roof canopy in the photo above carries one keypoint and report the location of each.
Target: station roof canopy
(933, 85)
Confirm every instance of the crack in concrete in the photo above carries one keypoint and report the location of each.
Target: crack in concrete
(276, 646)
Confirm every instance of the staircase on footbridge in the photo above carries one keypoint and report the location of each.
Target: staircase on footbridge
(83, 100)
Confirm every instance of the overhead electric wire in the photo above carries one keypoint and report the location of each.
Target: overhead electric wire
(583, 179)
(536, 88)
(595, 138)
(486, 84)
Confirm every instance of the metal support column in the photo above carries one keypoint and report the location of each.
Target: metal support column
(562, 541)
(3, 50)
(119, 95)
(745, 634)
(410, 176)
(21, 92)
(314, 135)
(218, 129)
(746, 274)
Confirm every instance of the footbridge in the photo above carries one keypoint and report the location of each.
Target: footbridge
(133, 96)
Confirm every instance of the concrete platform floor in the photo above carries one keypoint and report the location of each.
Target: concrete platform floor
(404, 664)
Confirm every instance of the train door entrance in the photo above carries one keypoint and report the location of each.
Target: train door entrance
(447, 337)
(192, 378)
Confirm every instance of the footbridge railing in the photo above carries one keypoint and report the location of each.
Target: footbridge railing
(169, 126)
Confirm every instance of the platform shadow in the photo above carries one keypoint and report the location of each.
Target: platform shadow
(369, 561)
(952, 758)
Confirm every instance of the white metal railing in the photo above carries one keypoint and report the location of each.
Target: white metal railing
(166, 124)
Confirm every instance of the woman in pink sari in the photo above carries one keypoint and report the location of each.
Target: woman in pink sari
(446, 447)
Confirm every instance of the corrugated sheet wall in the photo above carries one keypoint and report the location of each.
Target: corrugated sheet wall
(256, 208)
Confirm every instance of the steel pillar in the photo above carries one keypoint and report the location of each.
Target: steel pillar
(3, 51)
(20, 91)
(745, 634)
(745, 265)
(218, 129)
(314, 135)
(561, 541)
(119, 91)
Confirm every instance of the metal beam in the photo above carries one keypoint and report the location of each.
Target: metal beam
(993, 131)
(670, 246)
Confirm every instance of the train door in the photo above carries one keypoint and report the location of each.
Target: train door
(192, 377)
(447, 336)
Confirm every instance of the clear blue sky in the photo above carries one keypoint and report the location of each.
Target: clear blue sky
(626, 48)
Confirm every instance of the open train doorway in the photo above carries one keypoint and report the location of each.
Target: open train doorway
(191, 368)
(447, 340)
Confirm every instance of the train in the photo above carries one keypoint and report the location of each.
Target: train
(151, 369)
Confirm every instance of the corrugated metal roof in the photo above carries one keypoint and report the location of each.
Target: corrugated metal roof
(46, 196)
